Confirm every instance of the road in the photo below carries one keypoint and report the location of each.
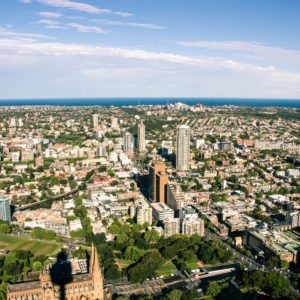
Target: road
(155, 286)
(250, 263)
(24, 207)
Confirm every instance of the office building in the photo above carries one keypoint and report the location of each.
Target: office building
(183, 148)
(158, 180)
(128, 142)
(5, 211)
(141, 137)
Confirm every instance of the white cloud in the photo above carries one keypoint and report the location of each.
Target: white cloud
(48, 23)
(80, 7)
(84, 28)
(25, 1)
(131, 24)
(5, 32)
(247, 48)
(50, 15)
(123, 14)
(138, 70)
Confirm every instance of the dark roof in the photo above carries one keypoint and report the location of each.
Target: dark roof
(25, 286)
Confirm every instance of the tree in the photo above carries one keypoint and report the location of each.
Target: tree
(151, 236)
(5, 228)
(284, 264)
(99, 238)
(112, 272)
(40, 258)
(37, 266)
(39, 233)
(145, 267)
(174, 295)
(14, 268)
(133, 253)
(213, 289)
(190, 295)
(23, 254)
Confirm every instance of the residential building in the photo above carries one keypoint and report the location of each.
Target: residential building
(161, 211)
(171, 226)
(183, 148)
(175, 197)
(128, 142)
(143, 212)
(141, 137)
(5, 210)
(193, 225)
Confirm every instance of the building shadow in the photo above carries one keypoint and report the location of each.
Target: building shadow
(61, 273)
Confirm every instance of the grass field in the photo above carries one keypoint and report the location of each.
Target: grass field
(166, 269)
(123, 263)
(36, 247)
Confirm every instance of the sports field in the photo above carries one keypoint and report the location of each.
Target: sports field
(13, 243)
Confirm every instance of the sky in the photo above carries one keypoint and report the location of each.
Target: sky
(149, 48)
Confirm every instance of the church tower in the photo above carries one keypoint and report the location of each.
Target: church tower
(97, 278)
(47, 287)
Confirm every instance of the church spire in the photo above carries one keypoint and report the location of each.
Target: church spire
(94, 262)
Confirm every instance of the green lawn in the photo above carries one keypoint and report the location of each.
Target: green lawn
(166, 269)
(123, 263)
(193, 265)
(36, 247)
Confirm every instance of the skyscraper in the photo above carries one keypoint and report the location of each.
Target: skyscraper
(141, 137)
(128, 142)
(158, 180)
(5, 211)
(95, 121)
(183, 148)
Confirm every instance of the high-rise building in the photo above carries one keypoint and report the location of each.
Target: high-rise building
(114, 123)
(183, 148)
(5, 211)
(144, 215)
(158, 180)
(101, 151)
(161, 211)
(171, 227)
(143, 212)
(141, 137)
(161, 187)
(95, 120)
(193, 225)
(175, 197)
(128, 142)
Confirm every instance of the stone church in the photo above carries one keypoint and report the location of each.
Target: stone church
(80, 286)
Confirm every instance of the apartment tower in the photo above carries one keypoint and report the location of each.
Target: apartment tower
(183, 148)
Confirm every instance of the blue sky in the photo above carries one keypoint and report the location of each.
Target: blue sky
(149, 48)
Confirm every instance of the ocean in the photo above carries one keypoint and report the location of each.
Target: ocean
(154, 101)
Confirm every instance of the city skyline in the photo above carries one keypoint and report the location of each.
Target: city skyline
(89, 48)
